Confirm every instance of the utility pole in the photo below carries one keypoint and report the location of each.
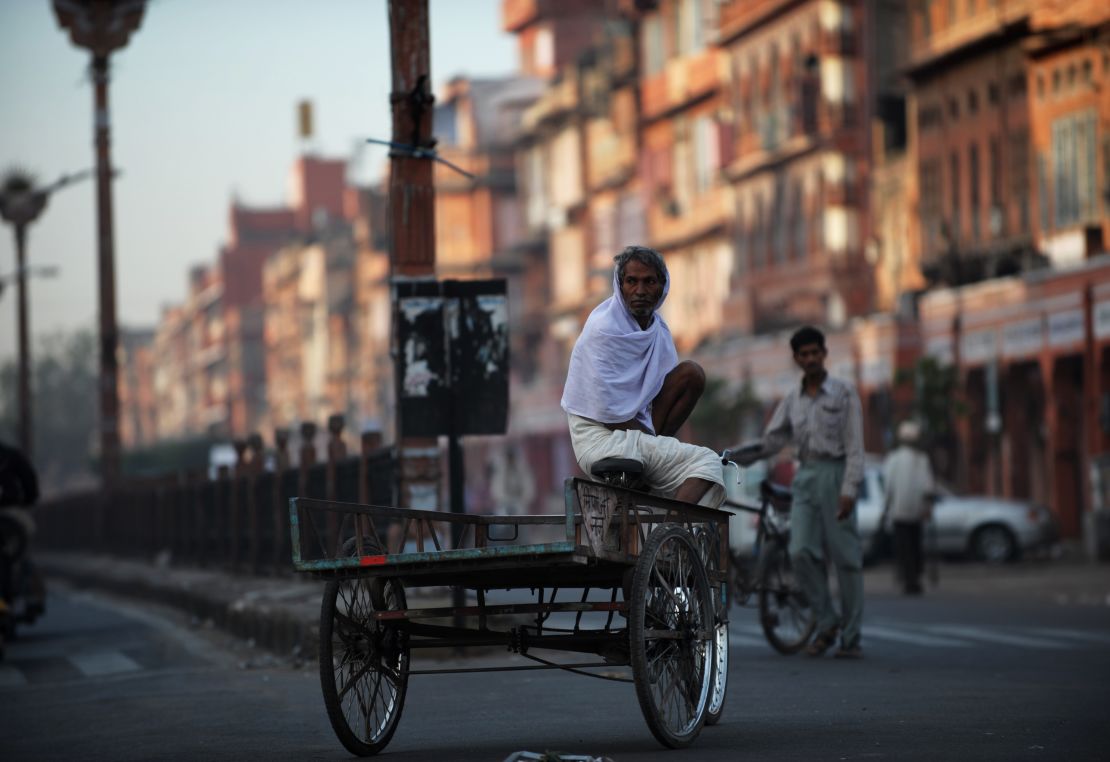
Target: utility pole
(20, 205)
(104, 26)
(412, 217)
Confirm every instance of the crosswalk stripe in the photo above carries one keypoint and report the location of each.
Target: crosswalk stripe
(913, 638)
(97, 663)
(11, 677)
(995, 636)
(1086, 637)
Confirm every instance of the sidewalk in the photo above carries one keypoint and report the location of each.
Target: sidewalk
(282, 614)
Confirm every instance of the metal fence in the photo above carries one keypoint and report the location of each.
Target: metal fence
(238, 521)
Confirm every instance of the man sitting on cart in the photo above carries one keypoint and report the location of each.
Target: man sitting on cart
(626, 394)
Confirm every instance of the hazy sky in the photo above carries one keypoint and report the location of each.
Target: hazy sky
(203, 106)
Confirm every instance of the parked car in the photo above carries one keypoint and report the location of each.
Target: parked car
(987, 528)
(983, 527)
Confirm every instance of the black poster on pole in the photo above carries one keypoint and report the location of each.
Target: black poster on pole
(453, 357)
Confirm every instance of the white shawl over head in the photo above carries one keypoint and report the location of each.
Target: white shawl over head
(617, 368)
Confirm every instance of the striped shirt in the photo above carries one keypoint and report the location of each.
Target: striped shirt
(828, 426)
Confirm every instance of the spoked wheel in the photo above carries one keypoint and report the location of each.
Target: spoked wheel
(784, 610)
(364, 663)
(719, 593)
(720, 659)
(672, 630)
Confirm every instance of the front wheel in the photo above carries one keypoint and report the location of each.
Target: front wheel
(784, 610)
(672, 631)
(364, 662)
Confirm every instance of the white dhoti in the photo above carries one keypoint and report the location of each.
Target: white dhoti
(667, 461)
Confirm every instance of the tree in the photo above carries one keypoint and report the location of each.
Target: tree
(720, 416)
(936, 406)
(64, 383)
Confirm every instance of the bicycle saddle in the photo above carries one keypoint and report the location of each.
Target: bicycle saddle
(778, 495)
(609, 466)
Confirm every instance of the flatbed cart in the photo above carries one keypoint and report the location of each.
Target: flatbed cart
(662, 564)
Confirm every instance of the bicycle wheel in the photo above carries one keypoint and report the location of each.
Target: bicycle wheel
(784, 611)
(707, 549)
(720, 659)
(364, 663)
(672, 634)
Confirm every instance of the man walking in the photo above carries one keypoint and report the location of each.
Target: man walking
(823, 419)
(908, 487)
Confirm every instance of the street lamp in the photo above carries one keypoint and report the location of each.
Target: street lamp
(20, 205)
(102, 27)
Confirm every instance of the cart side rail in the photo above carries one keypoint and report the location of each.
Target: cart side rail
(330, 535)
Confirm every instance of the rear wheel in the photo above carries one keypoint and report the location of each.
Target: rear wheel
(364, 662)
(995, 544)
(672, 631)
(784, 611)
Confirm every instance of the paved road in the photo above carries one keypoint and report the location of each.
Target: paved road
(945, 677)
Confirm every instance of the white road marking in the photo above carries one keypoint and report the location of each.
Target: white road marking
(1086, 637)
(996, 636)
(11, 677)
(912, 638)
(744, 641)
(98, 663)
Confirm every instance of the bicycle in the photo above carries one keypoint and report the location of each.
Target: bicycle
(785, 614)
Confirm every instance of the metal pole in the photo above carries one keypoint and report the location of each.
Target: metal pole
(25, 435)
(109, 370)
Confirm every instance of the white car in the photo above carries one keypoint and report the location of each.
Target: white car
(987, 528)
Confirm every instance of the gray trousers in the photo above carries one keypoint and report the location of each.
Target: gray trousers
(813, 529)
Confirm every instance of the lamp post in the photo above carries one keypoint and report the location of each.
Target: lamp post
(20, 205)
(102, 27)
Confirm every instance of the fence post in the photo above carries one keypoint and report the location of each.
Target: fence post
(370, 441)
(336, 452)
(281, 510)
(254, 443)
(236, 506)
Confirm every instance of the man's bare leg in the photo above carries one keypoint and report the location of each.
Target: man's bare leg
(692, 490)
(681, 390)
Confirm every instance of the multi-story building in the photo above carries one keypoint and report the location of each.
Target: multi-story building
(1069, 69)
(309, 342)
(969, 126)
(685, 134)
(138, 405)
(170, 375)
(1009, 118)
(807, 83)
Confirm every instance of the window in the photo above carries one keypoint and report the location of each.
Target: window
(1074, 158)
(953, 108)
(706, 154)
(930, 204)
(1019, 175)
(654, 50)
(972, 102)
(801, 232)
(995, 170)
(992, 93)
(954, 179)
(973, 187)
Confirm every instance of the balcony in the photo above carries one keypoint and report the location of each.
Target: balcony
(612, 157)
(738, 17)
(672, 224)
(836, 42)
(516, 14)
(682, 82)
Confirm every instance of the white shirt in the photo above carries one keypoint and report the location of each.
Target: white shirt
(828, 426)
(907, 479)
